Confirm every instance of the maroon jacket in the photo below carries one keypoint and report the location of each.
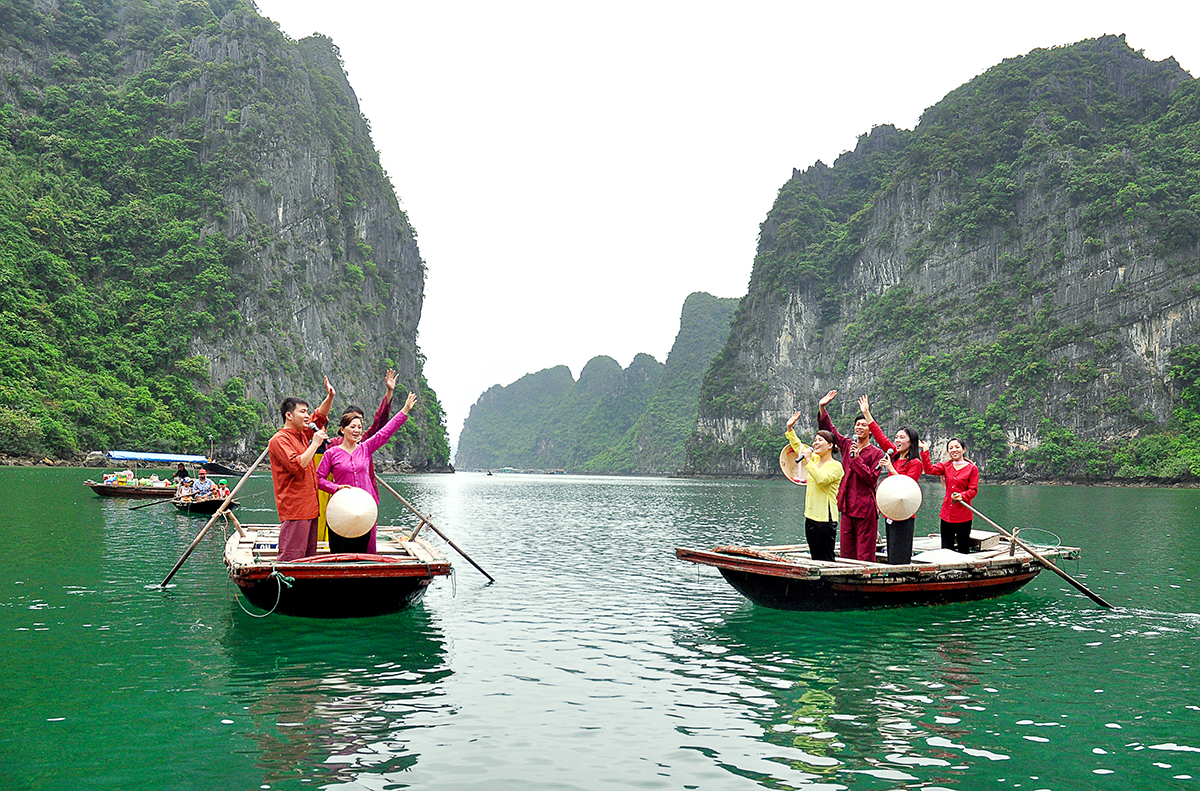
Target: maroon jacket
(856, 493)
(382, 415)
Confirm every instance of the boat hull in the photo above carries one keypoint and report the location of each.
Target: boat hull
(337, 597)
(139, 492)
(203, 507)
(784, 593)
(788, 578)
(342, 585)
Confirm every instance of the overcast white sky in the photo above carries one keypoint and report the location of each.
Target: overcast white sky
(575, 170)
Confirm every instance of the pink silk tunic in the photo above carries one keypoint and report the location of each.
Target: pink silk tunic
(354, 469)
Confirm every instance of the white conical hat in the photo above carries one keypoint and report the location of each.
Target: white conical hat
(898, 497)
(351, 512)
(789, 462)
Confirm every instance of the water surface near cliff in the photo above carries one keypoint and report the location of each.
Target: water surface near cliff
(596, 660)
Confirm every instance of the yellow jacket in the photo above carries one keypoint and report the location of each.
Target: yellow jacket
(820, 499)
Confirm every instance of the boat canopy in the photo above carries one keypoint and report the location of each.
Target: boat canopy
(165, 458)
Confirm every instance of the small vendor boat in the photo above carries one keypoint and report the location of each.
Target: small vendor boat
(121, 485)
(203, 505)
(333, 585)
(787, 578)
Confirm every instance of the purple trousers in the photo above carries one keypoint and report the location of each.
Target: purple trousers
(297, 539)
(859, 534)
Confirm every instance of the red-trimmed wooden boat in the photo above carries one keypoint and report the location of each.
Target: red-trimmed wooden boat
(787, 578)
(348, 585)
(206, 506)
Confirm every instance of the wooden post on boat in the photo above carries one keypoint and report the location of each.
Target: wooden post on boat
(1018, 542)
(220, 510)
(433, 527)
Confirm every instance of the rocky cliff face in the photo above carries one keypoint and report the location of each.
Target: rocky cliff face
(321, 273)
(1026, 258)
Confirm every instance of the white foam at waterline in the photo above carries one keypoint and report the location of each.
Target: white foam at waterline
(947, 720)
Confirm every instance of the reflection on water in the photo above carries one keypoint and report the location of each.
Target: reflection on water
(342, 698)
(596, 659)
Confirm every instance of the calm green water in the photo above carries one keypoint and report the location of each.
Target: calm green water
(596, 660)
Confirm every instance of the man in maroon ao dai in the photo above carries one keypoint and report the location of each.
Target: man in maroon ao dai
(856, 494)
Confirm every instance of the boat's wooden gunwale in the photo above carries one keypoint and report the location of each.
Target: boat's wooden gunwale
(250, 558)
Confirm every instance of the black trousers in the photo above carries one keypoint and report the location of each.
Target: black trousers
(338, 544)
(821, 538)
(957, 536)
(899, 540)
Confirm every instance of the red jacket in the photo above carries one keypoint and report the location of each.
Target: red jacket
(965, 480)
(911, 467)
(295, 484)
(856, 493)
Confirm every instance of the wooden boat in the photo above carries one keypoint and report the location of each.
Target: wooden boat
(787, 578)
(332, 585)
(152, 460)
(107, 490)
(206, 506)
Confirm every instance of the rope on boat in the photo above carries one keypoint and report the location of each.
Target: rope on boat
(281, 579)
(1039, 544)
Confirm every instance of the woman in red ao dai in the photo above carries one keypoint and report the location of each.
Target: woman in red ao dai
(961, 477)
(901, 459)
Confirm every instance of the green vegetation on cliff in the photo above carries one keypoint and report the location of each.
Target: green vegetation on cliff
(610, 421)
(118, 280)
(1051, 159)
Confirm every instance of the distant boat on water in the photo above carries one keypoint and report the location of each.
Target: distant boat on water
(129, 486)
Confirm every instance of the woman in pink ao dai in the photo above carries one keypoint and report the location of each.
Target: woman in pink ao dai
(350, 464)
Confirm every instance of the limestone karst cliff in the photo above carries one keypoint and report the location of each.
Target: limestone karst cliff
(1021, 270)
(611, 421)
(209, 223)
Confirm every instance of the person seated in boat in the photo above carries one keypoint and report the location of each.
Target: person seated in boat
(961, 477)
(203, 487)
(180, 474)
(902, 458)
(185, 491)
(349, 464)
(222, 491)
(856, 492)
(824, 475)
(294, 475)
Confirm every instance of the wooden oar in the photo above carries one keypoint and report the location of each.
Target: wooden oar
(220, 510)
(1079, 585)
(425, 521)
(156, 502)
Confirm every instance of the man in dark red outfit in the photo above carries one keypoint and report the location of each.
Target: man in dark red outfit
(856, 494)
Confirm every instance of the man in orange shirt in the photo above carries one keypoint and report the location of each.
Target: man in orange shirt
(294, 475)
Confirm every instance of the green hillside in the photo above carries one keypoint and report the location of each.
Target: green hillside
(611, 420)
(130, 276)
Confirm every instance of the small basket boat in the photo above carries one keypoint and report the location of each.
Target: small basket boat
(328, 585)
(787, 578)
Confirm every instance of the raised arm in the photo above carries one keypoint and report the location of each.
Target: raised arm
(380, 439)
(323, 409)
(930, 467)
(385, 406)
(792, 439)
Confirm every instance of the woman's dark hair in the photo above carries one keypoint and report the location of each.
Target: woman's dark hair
(348, 417)
(828, 437)
(913, 440)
